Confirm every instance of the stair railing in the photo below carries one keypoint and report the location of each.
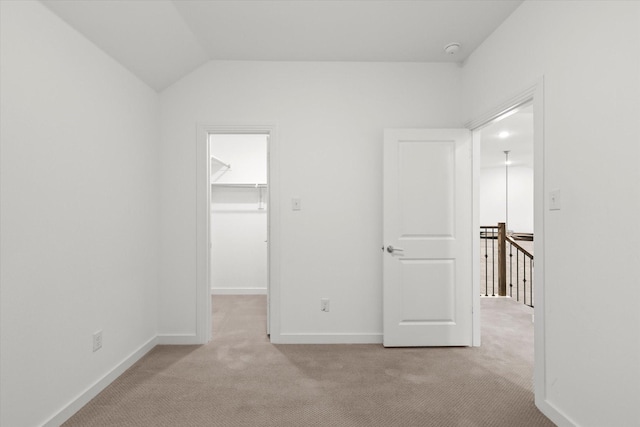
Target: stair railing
(498, 258)
(523, 267)
(489, 237)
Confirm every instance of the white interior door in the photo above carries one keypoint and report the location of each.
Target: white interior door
(427, 289)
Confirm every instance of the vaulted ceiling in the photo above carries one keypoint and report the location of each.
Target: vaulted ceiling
(162, 40)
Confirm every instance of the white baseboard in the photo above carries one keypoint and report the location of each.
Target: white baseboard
(554, 414)
(299, 338)
(238, 291)
(74, 406)
(178, 339)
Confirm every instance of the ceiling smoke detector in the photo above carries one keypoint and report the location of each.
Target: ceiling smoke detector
(452, 48)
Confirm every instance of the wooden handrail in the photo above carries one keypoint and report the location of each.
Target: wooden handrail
(513, 242)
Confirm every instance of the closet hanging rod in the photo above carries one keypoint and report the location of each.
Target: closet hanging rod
(238, 185)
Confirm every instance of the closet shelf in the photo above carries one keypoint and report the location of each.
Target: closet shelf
(238, 185)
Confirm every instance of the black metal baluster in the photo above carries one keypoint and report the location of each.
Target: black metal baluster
(493, 263)
(524, 279)
(486, 264)
(531, 281)
(510, 270)
(517, 274)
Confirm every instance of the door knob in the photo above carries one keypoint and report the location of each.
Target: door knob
(392, 250)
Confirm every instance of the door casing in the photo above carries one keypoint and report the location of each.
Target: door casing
(203, 225)
(533, 94)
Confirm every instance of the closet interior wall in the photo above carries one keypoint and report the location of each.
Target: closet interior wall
(238, 213)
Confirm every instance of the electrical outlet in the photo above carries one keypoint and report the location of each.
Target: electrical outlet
(97, 341)
(324, 304)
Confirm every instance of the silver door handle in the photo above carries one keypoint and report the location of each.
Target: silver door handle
(392, 250)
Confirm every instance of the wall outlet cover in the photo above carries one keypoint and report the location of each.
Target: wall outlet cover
(97, 341)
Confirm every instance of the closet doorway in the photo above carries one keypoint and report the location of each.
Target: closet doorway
(239, 232)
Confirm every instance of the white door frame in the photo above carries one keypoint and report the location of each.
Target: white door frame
(535, 95)
(203, 225)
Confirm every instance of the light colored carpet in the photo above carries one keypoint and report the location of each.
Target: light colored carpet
(240, 379)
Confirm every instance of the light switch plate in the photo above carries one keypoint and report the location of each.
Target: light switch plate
(296, 204)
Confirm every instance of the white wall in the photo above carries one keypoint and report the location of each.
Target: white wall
(239, 215)
(589, 55)
(492, 197)
(329, 119)
(238, 243)
(79, 214)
